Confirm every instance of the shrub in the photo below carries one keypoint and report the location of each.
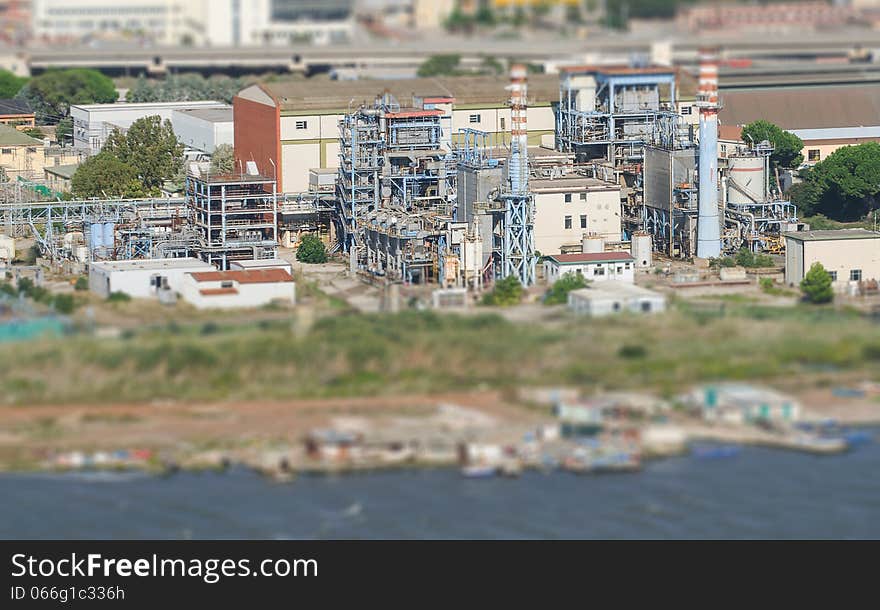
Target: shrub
(558, 292)
(632, 352)
(506, 292)
(816, 285)
(311, 250)
(118, 297)
(82, 283)
(64, 303)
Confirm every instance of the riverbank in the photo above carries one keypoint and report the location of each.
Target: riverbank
(285, 438)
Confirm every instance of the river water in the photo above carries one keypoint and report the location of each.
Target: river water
(759, 493)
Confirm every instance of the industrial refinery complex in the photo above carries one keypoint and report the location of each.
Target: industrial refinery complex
(452, 183)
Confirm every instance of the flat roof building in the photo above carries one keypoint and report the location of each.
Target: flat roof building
(204, 129)
(142, 278)
(93, 123)
(849, 255)
(610, 297)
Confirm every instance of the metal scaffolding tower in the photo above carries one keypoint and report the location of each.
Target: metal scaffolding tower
(518, 244)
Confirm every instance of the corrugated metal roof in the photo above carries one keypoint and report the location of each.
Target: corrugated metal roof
(328, 95)
(10, 136)
(14, 107)
(250, 276)
(804, 107)
(837, 133)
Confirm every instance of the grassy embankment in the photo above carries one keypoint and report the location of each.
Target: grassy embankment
(349, 354)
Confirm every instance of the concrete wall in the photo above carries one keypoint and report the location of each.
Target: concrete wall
(200, 134)
(258, 132)
(601, 208)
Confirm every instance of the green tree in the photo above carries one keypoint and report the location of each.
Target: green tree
(10, 84)
(558, 292)
(64, 303)
(223, 159)
(507, 291)
(82, 283)
(787, 147)
(151, 147)
(64, 130)
(311, 250)
(34, 132)
(816, 285)
(105, 175)
(51, 93)
(439, 65)
(844, 187)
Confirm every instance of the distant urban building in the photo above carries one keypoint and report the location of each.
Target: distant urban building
(291, 128)
(203, 129)
(16, 113)
(613, 297)
(772, 17)
(851, 256)
(93, 123)
(592, 266)
(195, 22)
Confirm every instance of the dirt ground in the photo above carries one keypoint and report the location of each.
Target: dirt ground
(29, 432)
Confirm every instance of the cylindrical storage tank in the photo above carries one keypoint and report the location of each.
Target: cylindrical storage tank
(592, 243)
(109, 235)
(641, 249)
(96, 233)
(746, 180)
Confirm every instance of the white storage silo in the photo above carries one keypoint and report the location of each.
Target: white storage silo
(641, 249)
(109, 237)
(746, 180)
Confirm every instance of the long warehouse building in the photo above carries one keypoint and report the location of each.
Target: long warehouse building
(290, 129)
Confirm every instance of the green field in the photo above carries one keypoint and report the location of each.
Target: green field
(417, 352)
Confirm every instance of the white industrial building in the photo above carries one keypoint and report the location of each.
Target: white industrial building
(238, 289)
(593, 266)
(567, 207)
(612, 297)
(204, 129)
(93, 123)
(142, 278)
(849, 255)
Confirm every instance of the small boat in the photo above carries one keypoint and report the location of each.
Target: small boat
(857, 437)
(476, 471)
(722, 451)
(511, 469)
(577, 464)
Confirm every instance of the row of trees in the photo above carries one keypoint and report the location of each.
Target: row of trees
(185, 88)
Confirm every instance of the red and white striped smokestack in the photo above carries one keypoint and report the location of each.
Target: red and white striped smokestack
(707, 92)
(519, 165)
(708, 220)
